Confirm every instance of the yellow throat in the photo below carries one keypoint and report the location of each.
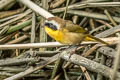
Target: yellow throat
(55, 34)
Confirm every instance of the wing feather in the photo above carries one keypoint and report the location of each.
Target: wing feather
(74, 27)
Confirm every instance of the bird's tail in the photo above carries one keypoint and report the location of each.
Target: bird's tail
(92, 38)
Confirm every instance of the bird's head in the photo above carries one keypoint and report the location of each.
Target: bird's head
(54, 23)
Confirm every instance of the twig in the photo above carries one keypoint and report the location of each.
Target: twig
(65, 74)
(98, 28)
(90, 50)
(83, 21)
(4, 3)
(57, 77)
(6, 38)
(92, 25)
(107, 51)
(42, 33)
(102, 61)
(90, 65)
(75, 19)
(85, 5)
(32, 39)
(18, 39)
(109, 32)
(28, 71)
(20, 26)
(110, 18)
(8, 18)
(85, 72)
(4, 14)
(116, 62)
(93, 15)
(36, 8)
(112, 40)
(90, 1)
(66, 9)
(57, 68)
(43, 53)
(31, 45)
(15, 61)
(17, 18)
(105, 23)
(58, 3)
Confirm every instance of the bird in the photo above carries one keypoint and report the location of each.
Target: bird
(66, 32)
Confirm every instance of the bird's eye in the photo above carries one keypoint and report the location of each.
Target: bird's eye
(50, 25)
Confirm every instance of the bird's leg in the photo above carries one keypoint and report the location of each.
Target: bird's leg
(74, 50)
(76, 47)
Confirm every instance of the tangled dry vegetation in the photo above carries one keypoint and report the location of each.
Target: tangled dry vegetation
(28, 53)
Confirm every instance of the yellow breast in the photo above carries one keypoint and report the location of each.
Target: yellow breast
(55, 34)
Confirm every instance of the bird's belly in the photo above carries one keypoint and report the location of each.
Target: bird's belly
(73, 38)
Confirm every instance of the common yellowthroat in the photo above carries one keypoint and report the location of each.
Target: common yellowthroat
(65, 32)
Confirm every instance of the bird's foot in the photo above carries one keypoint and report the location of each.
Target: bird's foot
(73, 51)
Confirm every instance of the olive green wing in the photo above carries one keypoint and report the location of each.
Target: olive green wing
(74, 28)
